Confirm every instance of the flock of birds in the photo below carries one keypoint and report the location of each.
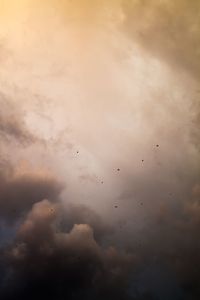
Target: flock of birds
(118, 170)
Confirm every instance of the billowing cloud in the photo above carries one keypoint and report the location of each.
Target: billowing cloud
(81, 214)
(47, 259)
(50, 264)
(21, 187)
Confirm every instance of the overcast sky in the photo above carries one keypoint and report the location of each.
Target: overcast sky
(99, 149)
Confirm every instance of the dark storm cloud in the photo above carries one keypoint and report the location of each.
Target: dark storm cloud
(167, 29)
(20, 188)
(53, 261)
(46, 264)
(49, 261)
(20, 185)
(170, 240)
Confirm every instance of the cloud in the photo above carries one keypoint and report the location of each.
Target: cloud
(82, 214)
(117, 111)
(12, 126)
(21, 187)
(167, 29)
(50, 260)
(170, 241)
(43, 263)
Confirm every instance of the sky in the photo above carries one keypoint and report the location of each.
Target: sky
(99, 149)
